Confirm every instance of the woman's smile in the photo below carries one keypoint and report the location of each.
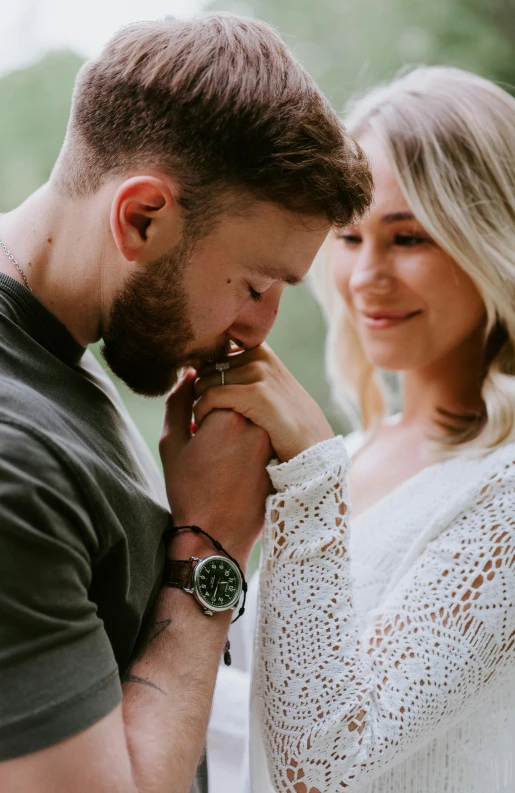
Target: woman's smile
(383, 320)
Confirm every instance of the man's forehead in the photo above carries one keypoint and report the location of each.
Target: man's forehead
(279, 223)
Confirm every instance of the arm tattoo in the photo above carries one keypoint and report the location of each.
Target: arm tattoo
(135, 679)
(155, 630)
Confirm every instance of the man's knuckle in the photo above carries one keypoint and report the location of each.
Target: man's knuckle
(255, 390)
(263, 369)
(256, 369)
(163, 439)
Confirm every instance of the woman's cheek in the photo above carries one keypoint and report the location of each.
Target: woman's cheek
(341, 273)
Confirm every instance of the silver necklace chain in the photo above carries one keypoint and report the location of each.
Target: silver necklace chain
(11, 257)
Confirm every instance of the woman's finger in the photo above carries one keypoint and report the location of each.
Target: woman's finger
(240, 358)
(241, 375)
(223, 398)
(211, 381)
(234, 361)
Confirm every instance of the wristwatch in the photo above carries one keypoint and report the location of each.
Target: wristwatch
(215, 582)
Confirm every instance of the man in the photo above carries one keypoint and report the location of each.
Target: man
(200, 173)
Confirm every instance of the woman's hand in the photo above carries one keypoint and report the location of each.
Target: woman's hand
(260, 387)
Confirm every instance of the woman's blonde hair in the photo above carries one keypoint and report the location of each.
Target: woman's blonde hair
(450, 136)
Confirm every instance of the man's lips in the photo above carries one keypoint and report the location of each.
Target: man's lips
(380, 320)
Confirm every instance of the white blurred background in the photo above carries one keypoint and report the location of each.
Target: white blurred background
(30, 28)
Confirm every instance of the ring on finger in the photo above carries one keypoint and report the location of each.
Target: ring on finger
(222, 368)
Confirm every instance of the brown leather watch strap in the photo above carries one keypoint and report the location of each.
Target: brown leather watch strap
(177, 573)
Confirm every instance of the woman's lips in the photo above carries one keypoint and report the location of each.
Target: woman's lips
(387, 319)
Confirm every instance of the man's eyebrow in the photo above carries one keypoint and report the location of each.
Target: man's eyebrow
(396, 217)
(276, 273)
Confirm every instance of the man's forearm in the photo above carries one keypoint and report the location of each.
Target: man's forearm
(168, 693)
(153, 741)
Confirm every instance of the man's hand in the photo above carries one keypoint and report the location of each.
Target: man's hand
(217, 477)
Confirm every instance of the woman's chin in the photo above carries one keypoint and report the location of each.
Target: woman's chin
(393, 361)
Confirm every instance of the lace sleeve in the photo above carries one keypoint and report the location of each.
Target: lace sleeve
(340, 702)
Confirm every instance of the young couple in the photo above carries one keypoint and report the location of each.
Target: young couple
(201, 173)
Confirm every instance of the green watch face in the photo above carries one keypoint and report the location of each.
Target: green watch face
(217, 583)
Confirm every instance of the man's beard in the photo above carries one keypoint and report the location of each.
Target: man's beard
(149, 330)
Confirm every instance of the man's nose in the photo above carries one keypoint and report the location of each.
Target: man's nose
(372, 271)
(255, 321)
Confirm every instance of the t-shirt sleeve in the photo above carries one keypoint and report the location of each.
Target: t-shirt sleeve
(58, 674)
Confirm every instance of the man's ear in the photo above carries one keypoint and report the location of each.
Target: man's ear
(137, 209)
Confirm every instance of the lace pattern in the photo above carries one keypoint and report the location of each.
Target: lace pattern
(346, 699)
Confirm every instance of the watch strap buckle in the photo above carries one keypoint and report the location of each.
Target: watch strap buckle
(179, 573)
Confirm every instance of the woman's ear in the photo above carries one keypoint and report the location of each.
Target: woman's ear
(138, 210)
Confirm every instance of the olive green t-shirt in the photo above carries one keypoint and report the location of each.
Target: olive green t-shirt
(82, 516)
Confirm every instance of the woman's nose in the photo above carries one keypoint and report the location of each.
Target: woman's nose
(371, 272)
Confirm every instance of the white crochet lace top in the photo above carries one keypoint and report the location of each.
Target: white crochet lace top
(385, 649)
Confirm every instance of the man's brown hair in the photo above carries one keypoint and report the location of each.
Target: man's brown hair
(220, 104)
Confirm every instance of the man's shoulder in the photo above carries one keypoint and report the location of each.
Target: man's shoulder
(29, 452)
(25, 413)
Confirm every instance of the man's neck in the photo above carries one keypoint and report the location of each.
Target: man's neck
(61, 250)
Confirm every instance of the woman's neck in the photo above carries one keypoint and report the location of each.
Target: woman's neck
(453, 385)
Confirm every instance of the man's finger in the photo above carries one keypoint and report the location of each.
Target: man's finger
(178, 413)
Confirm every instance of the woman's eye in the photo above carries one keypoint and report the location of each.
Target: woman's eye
(409, 240)
(350, 239)
(255, 295)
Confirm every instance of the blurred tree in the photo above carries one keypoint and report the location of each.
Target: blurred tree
(349, 46)
(345, 46)
(474, 34)
(35, 105)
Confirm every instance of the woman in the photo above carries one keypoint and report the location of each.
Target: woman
(386, 639)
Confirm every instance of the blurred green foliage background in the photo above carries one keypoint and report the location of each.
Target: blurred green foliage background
(347, 46)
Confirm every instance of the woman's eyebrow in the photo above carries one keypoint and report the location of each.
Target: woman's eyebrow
(396, 217)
